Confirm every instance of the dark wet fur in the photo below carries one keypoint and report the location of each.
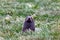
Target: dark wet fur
(28, 24)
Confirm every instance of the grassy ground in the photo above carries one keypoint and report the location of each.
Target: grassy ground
(45, 13)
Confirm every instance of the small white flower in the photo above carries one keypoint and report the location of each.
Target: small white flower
(8, 17)
(29, 4)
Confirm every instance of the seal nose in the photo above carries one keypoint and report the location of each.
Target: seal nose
(29, 19)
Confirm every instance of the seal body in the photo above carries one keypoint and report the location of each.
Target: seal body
(28, 24)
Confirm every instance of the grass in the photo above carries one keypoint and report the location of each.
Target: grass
(45, 13)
